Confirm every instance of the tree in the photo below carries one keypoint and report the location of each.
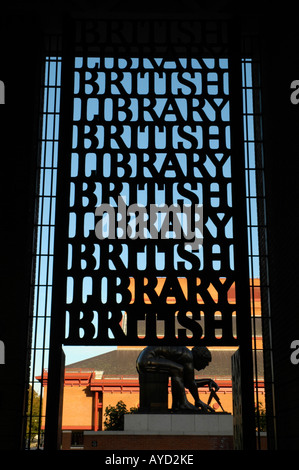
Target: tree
(33, 413)
(260, 417)
(114, 416)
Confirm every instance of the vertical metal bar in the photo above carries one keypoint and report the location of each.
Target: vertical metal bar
(248, 136)
(42, 254)
(241, 240)
(36, 264)
(263, 259)
(56, 355)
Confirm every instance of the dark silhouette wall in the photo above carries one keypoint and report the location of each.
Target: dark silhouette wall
(21, 29)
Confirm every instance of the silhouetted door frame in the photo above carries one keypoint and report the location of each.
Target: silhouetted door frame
(56, 356)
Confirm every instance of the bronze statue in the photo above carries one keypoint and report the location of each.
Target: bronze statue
(179, 363)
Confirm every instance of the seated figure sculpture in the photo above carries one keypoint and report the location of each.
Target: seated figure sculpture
(179, 363)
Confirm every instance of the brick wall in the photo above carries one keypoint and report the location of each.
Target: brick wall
(120, 441)
(77, 407)
(113, 441)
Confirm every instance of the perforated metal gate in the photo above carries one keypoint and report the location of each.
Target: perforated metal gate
(150, 122)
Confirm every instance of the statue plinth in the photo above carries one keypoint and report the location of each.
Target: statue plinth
(209, 424)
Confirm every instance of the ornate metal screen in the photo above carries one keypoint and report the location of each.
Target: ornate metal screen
(150, 185)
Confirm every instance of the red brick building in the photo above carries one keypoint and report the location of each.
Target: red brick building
(93, 384)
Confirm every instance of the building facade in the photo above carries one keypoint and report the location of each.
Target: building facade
(93, 384)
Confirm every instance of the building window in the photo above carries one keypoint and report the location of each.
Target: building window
(77, 439)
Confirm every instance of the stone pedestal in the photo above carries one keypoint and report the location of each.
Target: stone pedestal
(164, 431)
(214, 424)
